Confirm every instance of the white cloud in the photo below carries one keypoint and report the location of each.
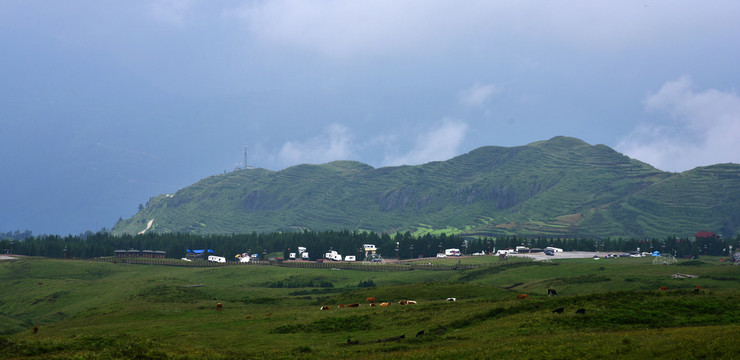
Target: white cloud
(478, 94)
(340, 28)
(335, 144)
(702, 128)
(437, 144)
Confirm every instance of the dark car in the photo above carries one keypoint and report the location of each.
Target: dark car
(549, 253)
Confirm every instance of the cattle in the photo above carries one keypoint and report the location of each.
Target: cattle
(270, 314)
(522, 296)
(403, 302)
(40, 283)
(558, 311)
(353, 305)
(352, 342)
(341, 305)
(247, 317)
(581, 311)
(420, 333)
(325, 308)
(552, 292)
(451, 299)
(35, 329)
(219, 306)
(663, 288)
(373, 304)
(385, 304)
(411, 302)
(371, 300)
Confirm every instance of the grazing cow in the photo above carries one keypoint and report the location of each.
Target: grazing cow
(35, 329)
(371, 300)
(451, 299)
(411, 302)
(663, 288)
(41, 283)
(552, 292)
(325, 308)
(420, 333)
(581, 311)
(352, 342)
(373, 304)
(219, 306)
(403, 302)
(559, 310)
(247, 317)
(341, 305)
(353, 305)
(522, 296)
(385, 304)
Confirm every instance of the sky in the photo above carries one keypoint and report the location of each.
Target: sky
(106, 104)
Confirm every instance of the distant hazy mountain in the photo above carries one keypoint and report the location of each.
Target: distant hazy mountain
(559, 187)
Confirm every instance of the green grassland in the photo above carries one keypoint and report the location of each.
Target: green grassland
(562, 187)
(115, 310)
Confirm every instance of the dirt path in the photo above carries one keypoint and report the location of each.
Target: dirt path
(147, 227)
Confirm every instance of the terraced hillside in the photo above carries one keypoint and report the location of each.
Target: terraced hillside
(559, 187)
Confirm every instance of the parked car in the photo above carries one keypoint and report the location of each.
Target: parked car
(549, 253)
(441, 255)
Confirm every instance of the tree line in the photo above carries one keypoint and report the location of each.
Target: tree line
(399, 245)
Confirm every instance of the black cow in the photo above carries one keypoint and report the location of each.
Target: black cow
(581, 311)
(552, 292)
(559, 310)
(420, 333)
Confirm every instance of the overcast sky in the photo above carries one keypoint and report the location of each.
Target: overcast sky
(105, 104)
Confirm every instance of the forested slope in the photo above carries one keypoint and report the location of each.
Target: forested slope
(561, 187)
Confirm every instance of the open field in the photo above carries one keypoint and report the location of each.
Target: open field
(106, 310)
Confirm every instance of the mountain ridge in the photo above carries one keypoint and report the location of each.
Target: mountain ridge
(561, 187)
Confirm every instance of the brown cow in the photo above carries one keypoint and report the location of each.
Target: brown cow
(35, 329)
(373, 304)
(219, 306)
(341, 305)
(522, 296)
(663, 288)
(371, 300)
(325, 308)
(403, 302)
(385, 304)
(353, 305)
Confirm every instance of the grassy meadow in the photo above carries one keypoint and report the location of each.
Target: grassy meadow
(105, 310)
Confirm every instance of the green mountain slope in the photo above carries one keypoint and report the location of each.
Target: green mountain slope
(559, 187)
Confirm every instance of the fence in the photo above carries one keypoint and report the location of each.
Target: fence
(360, 266)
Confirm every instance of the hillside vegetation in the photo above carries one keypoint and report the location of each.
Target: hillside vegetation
(562, 187)
(107, 310)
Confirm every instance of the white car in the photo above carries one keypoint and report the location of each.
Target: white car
(441, 255)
